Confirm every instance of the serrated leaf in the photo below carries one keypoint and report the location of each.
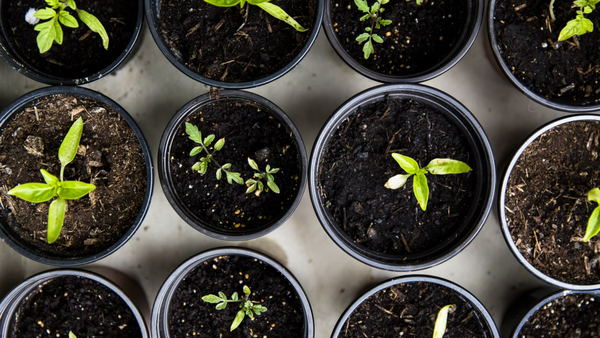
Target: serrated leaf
(221, 306)
(212, 299)
(377, 38)
(219, 145)
(45, 13)
(273, 187)
(67, 19)
(368, 49)
(47, 35)
(72, 190)
(70, 144)
(362, 5)
(593, 226)
(421, 190)
(193, 133)
(94, 25)
(196, 151)
(441, 321)
(397, 181)
(34, 192)
(362, 37)
(366, 17)
(253, 164)
(50, 179)
(208, 140)
(375, 8)
(408, 164)
(246, 290)
(280, 14)
(578, 26)
(445, 166)
(234, 177)
(238, 319)
(56, 218)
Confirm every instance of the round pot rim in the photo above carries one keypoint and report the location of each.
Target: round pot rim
(522, 88)
(428, 74)
(51, 80)
(166, 179)
(152, 22)
(502, 202)
(415, 90)
(16, 245)
(411, 279)
(164, 295)
(18, 293)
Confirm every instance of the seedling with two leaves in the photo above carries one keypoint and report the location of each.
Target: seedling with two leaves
(247, 307)
(580, 25)
(441, 322)
(256, 185)
(438, 166)
(57, 14)
(265, 5)
(65, 190)
(373, 14)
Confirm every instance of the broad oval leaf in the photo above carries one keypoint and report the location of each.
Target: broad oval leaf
(59, 32)
(34, 192)
(223, 3)
(203, 167)
(71, 3)
(593, 226)
(280, 14)
(219, 174)
(368, 49)
(251, 188)
(246, 290)
(273, 187)
(445, 166)
(235, 296)
(408, 164)
(72, 335)
(261, 186)
(72, 190)
(67, 19)
(594, 195)
(45, 13)
(222, 295)
(377, 38)
(397, 181)
(68, 148)
(421, 190)
(253, 164)
(196, 151)
(197, 166)
(238, 319)
(441, 321)
(56, 218)
(208, 140)
(50, 179)
(221, 306)
(212, 299)
(219, 145)
(94, 25)
(363, 37)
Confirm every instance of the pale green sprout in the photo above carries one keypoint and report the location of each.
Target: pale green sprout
(65, 190)
(202, 166)
(580, 25)
(72, 335)
(441, 321)
(256, 185)
(57, 14)
(438, 166)
(247, 307)
(268, 7)
(593, 226)
(373, 14)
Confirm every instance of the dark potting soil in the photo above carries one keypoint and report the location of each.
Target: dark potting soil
(249, 131)
(570, 316)
(109, 156)
(81, 53)
(358, 161)
(528, 44)
(419, 37)
(77, 304)
(234, 44)
(410, 310)
(546, 202)
(190, 316)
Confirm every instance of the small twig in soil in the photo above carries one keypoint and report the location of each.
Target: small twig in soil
(567, 88)
(268, 24)
(551, 7)
(520, 7)
(386, 311)
(245, 19)
(406, 247)
(387, 150)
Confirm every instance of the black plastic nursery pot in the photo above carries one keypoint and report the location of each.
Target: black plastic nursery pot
(252, 127)
(26, 312)
(393, 309)
(115, 147)
(227, 270)
(351, 162)
(195, 49)
(551, 73)
(544, 227)
(422, 42)
(75, 62)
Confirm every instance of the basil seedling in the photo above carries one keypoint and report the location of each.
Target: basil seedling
(580, 25)
(373, 14)
(441, 321)
(438, 166)
(257, 184)
(593, 226)
(247, 307)
(65, 190)
(268, 7)
(56, 14)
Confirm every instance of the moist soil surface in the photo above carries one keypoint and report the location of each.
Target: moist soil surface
(570, 316)
(81, 53)
(358, 161)
(190, 316)
(234, 44)
(410, 310)
(419, 37)
(527, 41)
(109, 156)
(249, 132)
(77, 304)
(546, 202)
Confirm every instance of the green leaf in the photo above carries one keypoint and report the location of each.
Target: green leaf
(50, 179)
(222, 295)
(368, 49)
(235, 177)
(594, 195)
(68, 148)
(53, 3)
(71, 334)
(385, 22)
(67, 19)
(56, 218)
(251, 188)
(223, 3)
(197, 166)
(362, 37)
(208, 140)
(253, 164)
(247, 304)
(270, 177)
(196, 151)
(94, 25)
(47, 35)
(219, 145)
(221, 306)
(219, 174)
(408, 164)
(397, 181)
(226, 166)
(362, 5)
(71, 3)
(34, 192)
(366, 17)
(377, 38)
(593, 226)
(440, 322)
(238, 319)
(212, 299)
(256, 2)
(578, 26)
(45, 14)
(421, 190)
(258, 309)
(444, 166)
(247, 290)
(193, 132)
(72, 190)
(280, 14)
(375, 8)
(235, 296)
(261, 186)
(581, 3)
(273, 171)
(203, 167)
(59, 32)
(273, 186)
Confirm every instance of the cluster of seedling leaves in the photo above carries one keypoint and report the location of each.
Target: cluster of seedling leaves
(373, 14)
(257, 184)
(266, 5)
(441, 321)
(65, 190)
(57, 14)
(580, 25)
(438, 166)
(247, 307)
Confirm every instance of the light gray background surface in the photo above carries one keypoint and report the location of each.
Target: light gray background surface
(152, 90)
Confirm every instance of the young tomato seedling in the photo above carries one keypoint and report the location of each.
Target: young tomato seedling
(580, 25)
(202, 166)
(593, 226)
(441, 321)
(268, 7)
(256, 185)
(373, 14)
(56, 14)
(65, 190)
(247, 307)
(438, 166)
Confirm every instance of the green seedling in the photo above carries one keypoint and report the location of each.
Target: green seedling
(593, 226)
(438, 166)
(373, 14)
(266, 5)
(202, 166)
(256, 185)
(72, 335)
(57, 13)
(65, 190)
(247, 307)
(580, 25)
(441, 321)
